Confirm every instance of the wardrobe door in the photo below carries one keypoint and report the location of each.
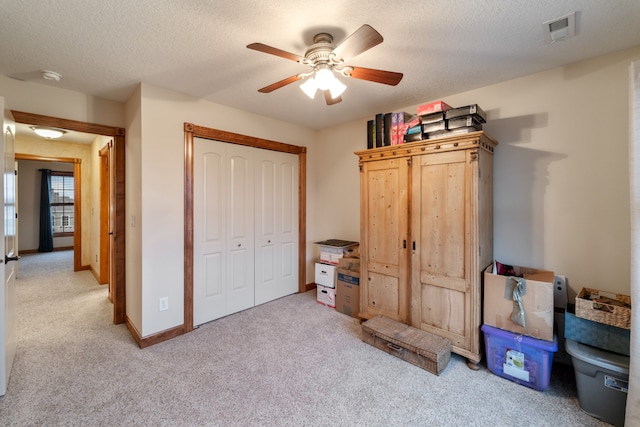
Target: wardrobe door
(443, 299)
(276, 227)
(384, 222)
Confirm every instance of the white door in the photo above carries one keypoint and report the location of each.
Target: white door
(209, 239)
(223, 247)
(276, 225)
(240, 228)
(8, 338)
(245, 215)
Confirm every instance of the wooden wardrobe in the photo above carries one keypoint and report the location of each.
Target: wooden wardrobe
(426, 234)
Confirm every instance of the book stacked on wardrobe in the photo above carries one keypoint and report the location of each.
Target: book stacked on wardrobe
(432, 120)
(453, 121)
(389, 128)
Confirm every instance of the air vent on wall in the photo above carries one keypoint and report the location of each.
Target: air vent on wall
(559, 28)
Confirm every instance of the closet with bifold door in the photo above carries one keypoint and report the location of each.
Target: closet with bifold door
(245, 227)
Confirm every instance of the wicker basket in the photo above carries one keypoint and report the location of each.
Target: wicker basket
(604, 307)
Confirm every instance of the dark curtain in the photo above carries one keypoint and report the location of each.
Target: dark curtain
(46, 230)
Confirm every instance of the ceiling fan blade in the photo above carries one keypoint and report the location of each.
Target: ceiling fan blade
(363, 39)
(329, 99)
(281, 83)
(379, 76)
(275, 51)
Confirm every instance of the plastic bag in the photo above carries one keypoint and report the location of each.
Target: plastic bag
(517, 315)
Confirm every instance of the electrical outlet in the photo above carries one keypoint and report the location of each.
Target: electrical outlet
(164, 303)
(560, 291)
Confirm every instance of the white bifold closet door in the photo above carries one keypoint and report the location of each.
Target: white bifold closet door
(276, 226)
(245, 208)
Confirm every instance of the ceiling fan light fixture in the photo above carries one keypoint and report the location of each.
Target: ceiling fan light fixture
(324, 78)
(324, 58)
(49, 133)
(337, 88)
(309, 87)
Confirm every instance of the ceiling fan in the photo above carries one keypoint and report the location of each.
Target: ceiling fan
(325, 58)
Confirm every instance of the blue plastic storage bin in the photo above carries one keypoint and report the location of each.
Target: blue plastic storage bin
(519, 358)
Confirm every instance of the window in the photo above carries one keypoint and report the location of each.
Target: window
(62, 209)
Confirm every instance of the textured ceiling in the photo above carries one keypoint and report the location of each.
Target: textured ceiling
(443, 47)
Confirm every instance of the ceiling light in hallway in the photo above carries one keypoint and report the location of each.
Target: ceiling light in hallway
(49, 133)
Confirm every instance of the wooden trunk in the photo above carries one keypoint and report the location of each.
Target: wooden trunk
(428, 351)
(428, 207)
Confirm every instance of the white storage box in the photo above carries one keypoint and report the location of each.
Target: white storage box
(326, 275)
(333, 249)
(326, 296)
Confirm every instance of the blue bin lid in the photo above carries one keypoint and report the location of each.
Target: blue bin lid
(551, 346)
(598, 357)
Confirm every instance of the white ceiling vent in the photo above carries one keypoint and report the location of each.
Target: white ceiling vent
(559, 28)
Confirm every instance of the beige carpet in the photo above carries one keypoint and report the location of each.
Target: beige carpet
(291, 362)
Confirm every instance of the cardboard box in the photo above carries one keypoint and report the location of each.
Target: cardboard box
(331, 251)
(330, 258)
(349, 263)
(348, 292)
(326, 274)
(326, 296)
(537, 302)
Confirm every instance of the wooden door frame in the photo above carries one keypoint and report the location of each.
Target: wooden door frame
(105, 217)
(77, 195)
(192, 131)
(118, 202)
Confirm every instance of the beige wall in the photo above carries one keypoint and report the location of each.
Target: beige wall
(561, 181)
(48, 100)
(333, 186)
(133, 226)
